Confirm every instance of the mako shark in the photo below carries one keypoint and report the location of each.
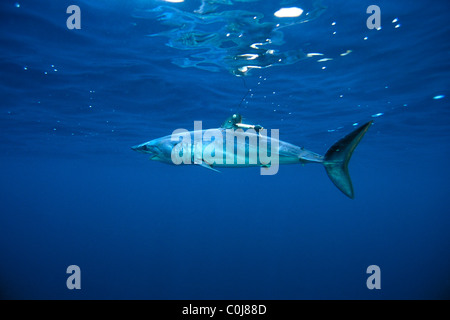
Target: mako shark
(178, 148)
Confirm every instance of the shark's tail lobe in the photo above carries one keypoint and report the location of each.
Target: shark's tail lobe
(338, 156)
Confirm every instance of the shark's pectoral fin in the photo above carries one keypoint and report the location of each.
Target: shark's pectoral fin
(207, 166)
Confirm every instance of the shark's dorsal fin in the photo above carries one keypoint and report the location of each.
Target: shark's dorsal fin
(230, 122)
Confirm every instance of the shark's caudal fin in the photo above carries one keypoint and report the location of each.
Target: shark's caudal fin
(337, 158)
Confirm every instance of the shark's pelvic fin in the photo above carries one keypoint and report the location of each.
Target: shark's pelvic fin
(338, 156)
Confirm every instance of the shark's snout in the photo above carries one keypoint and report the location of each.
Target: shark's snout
(144, 148)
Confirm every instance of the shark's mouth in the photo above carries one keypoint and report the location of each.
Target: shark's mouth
(146, 148)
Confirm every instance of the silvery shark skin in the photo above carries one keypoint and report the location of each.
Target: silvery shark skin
(161, 149)
(335, 160)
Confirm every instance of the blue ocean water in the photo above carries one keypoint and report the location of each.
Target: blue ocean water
(74, 193)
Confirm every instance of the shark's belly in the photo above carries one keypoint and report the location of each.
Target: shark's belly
(248, 157)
